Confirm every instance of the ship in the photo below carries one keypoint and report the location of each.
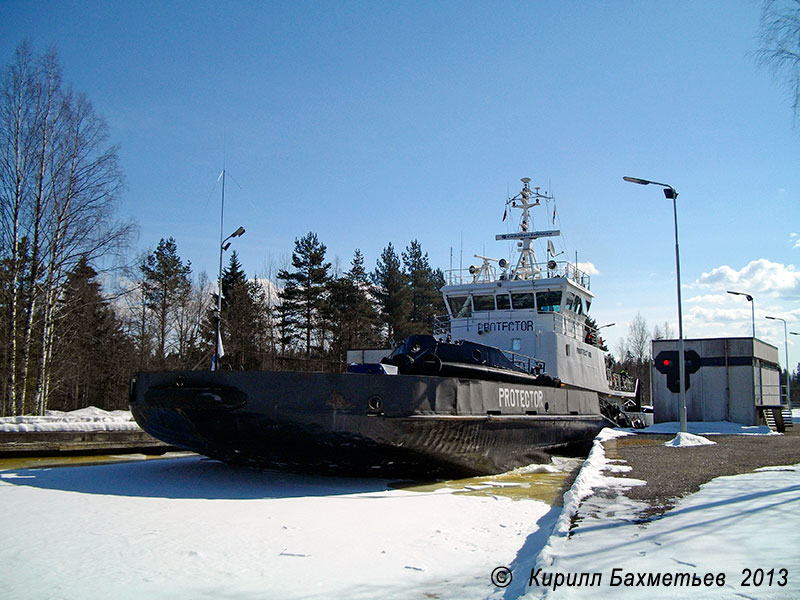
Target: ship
(511, 375)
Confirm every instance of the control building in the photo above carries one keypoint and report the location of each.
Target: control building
(729, 379)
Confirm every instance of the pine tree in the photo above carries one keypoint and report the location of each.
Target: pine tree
(233, 275)
(92, 357)
(243, 320)
(393, 295)
(303, 296)
(354, 319)
(425, 283)
(166, 284)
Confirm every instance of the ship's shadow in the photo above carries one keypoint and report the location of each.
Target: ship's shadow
(188, 477)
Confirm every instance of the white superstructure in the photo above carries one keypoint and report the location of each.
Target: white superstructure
(533, 308)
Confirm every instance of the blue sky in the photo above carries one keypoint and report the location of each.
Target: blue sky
(377, 122)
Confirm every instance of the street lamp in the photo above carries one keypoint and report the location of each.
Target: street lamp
(786, 345)
(672, 194)
(218, 349)
(752, 307)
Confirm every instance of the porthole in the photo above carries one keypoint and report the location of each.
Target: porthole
(375, 403)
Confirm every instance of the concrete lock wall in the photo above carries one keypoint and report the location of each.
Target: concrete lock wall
(735, 375)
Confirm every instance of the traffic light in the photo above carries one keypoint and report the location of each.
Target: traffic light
(667, 363)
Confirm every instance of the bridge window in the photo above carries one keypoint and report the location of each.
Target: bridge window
(574, 303)
(549, 301)
(503, 302)
(460, 306)
(522, 300)
(482, 303)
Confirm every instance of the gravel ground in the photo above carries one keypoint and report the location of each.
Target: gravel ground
(671, 473)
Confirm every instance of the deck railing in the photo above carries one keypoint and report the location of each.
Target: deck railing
(561, 269)
(620, 383)
(527, 363)
(770, 393)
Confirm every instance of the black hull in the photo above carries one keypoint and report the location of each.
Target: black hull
(364, 423)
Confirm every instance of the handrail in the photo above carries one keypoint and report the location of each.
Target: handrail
(620, 382)
(529, 364)
(562, 268)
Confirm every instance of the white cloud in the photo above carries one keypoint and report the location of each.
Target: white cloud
(707, 299)
(760, 278)
(588, 268)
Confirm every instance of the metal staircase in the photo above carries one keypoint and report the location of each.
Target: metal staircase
(777, 418)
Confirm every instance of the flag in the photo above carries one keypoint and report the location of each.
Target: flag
(554, 214)
(219, 352)
(505, 212)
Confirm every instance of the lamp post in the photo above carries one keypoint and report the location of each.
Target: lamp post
(603, 327)
(672, 194)
(786, 346)
(798, 371)
(752, 307)
(218, 348)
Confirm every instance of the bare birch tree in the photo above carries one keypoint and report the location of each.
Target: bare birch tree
(60, 182)
(779, 49)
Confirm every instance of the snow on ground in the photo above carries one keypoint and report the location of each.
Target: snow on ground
(709, 428)
(744, 528)
(83, 420)
(685, 440)
(195, 528)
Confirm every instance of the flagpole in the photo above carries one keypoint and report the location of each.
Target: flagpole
(219, 352)
(218, 341)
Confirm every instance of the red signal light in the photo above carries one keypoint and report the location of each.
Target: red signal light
(666, 362)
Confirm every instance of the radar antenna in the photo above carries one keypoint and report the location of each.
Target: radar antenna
(526, 267)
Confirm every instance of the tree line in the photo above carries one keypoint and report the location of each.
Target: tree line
(69, 338)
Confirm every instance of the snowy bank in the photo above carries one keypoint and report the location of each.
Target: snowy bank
(738, 537)
(83, 420)
(709, 428)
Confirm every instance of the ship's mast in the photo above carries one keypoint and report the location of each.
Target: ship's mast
(526, 267)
